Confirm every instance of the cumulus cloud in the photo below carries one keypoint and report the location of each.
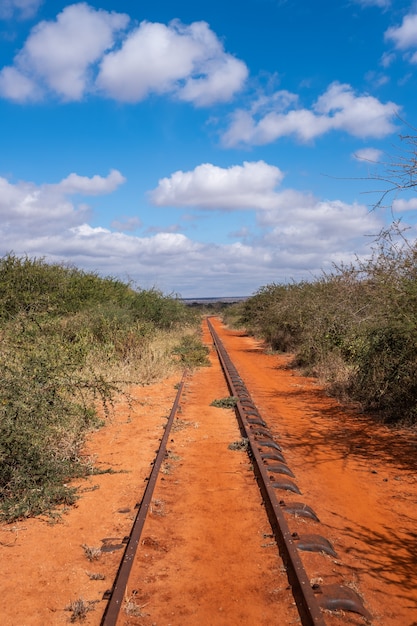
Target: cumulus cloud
(85, 50)
(401, 205)
(247, 186)
(188, 61)
(306, 232)
(58, 54)
(26, 207)
(47, 207)
(23, 9)
(404, 37)
(16, 86)
(295, 231)
(294, 222)
(296, 234)
(94, 186)
(338, 108)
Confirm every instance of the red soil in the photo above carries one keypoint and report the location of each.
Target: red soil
(206, 555)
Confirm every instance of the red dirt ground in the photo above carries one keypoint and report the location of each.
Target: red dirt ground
(206, 555)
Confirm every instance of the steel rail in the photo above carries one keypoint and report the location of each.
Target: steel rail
(307, 604)
(117, 593)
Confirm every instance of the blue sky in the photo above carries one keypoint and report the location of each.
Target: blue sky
(204, 149)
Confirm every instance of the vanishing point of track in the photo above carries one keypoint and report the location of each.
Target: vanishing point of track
(275, 480)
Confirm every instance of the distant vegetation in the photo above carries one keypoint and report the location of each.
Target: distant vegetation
(71, 341)
(355, 328)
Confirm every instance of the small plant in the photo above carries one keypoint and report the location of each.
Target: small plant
(192, 352)
(225, 403)
(92, 554)
(132, 609)
(171, 455)
(180, 424)
(79, 609)
(158, 507)
(166, 469)
(241, 444)
(95, 576)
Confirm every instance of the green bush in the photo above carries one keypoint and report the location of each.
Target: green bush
(356, 327)
(192, 352)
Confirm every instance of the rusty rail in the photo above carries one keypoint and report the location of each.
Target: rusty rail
(116, 594)
(308, 607)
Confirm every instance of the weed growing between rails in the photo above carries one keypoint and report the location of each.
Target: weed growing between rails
(72, 341)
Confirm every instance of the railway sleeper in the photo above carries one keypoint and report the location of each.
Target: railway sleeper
(280, 468)
(246, 407)
(268, 444)
(299, 509)
(314, 543)
(261, 431)
(340, 598)
(286, 485)
(277, 456)
(259, 421)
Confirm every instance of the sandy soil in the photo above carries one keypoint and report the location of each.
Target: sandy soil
(206, 554)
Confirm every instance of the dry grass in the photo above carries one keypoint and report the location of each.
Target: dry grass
(133, 609)
(148, 363)
(92, 553)
(241, 444)
(79, 609)
(95, 576)
(157, 507)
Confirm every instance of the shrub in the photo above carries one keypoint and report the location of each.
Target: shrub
(192, 352)
(69, 340)
(356, 326)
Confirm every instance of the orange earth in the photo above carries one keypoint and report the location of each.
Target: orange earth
(206, 555)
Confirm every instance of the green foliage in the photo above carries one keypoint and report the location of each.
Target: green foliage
(192, 352)
(162, 311)
(225, 403)
(356, 327)
(63, 334)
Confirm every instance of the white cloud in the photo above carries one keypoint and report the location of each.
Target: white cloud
(46, 207)
(26, 208)
(298, 231)
(404, 36)
(369, 155)
(297, 235)
(24, 9)
(247, 186)
(58, 54)
(401, 205)
(188, 61)
(16, 86)
(339, 108)
(387, 59)
(76, 54)
(94, 186)
(310, 233)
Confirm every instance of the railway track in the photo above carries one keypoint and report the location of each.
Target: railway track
(316, 602)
